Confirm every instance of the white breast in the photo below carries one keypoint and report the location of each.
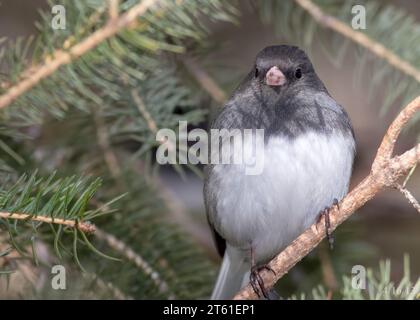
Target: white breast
(301, 177)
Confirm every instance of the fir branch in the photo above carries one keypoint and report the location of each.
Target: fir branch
(105, 75)
(358, 37)
(385, 172)
(142, 228)
(52, 197)
(91, 21)
(135, 258)
(176, 208)
(60, 57)
(85, 227)
(46, 207)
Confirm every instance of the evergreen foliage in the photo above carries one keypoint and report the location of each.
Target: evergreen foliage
(98, 116)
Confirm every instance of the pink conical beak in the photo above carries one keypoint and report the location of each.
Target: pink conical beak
(275, 77)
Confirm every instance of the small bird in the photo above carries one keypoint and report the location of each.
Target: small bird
(309, 149)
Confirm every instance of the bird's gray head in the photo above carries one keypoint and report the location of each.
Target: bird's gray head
(284, 68)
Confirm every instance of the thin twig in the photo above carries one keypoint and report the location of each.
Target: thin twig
(60, 57)
(138, 260)
(117, 294)
(408, 195)
(103, 141)
(113, 9)
(204, 79)
(85, 227)
(409, 175)
(176, 208)
(386, 148)
(385, 173)
(151, 123)
(360, 38)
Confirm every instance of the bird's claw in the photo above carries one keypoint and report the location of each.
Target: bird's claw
(326, 214)
(257, 281)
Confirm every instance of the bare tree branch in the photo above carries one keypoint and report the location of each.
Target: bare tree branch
(60, 57)
(360, 38)
(82, 226)
(384, 153)
(384, 173)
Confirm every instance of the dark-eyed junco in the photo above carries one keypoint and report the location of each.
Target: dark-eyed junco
(308, 150)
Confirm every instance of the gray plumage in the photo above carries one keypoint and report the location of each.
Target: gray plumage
(309, 149)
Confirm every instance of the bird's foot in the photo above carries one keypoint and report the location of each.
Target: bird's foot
(257, 281)
(326, 215)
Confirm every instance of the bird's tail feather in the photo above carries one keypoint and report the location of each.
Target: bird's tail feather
(233, 274)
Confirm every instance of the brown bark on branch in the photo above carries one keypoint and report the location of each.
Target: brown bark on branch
(82, 226)
(385, 173)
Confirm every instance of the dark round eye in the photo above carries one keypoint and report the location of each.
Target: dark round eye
(298, 73)
(256, 72)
